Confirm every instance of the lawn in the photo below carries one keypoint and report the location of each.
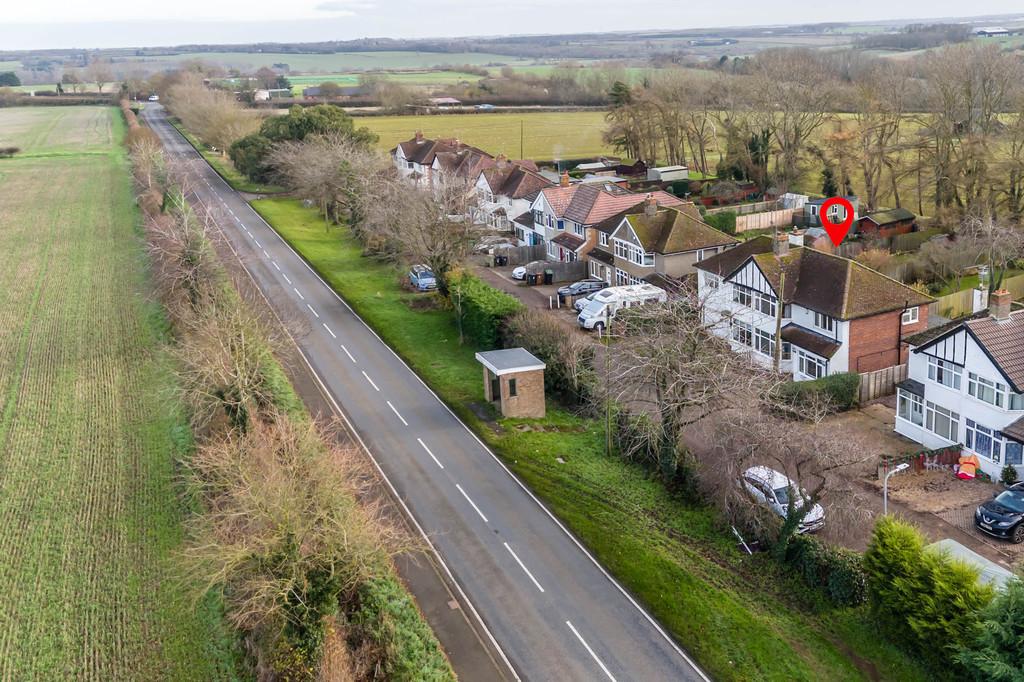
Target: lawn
(742, 617)
(546, 136)
(90, 511)
(339, 62)
(415, 78)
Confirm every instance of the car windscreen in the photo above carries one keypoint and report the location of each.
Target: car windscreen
(782, 495)
(1012, 499)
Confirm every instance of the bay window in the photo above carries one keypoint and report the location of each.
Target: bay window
(741, 333)
(812, 366)
(985, 441)
(741, 295)
(825, 322)
(985, 390)
(764, 343)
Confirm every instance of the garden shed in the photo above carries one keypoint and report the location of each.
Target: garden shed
(514, 382)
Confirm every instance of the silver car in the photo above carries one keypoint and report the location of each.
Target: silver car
(773, 489)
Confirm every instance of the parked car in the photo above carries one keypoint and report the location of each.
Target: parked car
(484, 107)
(583, 287)
(422, 278)
(1003, 515)
(773, 489)
(519, 272)
(154, 98)
(581, 303)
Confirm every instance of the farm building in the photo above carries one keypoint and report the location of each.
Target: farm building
(668, 173)
(886, 223)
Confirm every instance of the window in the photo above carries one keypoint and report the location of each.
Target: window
(602, 239)
(578, 229)
(741, 333)
(561, 224)
(711, 281)
(812, 366)
(410, 164)
(741, 295)
(764, 303)
(1014, 452)
(824, 322)
(621, 249)
(944, 372)
(985, 441)
(764, 343)
(986, 391)
(942, 422)
(911, 315)
(538, 217)
(911, 408)
(511, 388)
(622, 278)
(1017, 401)
(787, 350)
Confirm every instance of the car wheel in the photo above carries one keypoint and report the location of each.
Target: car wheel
(599, 328)
(1018, 534)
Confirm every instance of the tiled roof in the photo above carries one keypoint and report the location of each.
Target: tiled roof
(822, 346)
(1004, 343)
(599, 254)
(822, 282)
(1015, 430)
(515, 181)
(559, 197)
(675, 230)
(590, 204)
(525, 219)
(424, 151)
(568, 240)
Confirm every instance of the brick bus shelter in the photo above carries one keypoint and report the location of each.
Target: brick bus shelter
(514, 382)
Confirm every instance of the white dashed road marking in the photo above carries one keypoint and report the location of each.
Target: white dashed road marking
(371, 381)
(313, 311)
(590, 651)
(523, 566)
(471, 502)
(329, 331)
(436, 460)
(348, 354)
(299, 293)
(396, 413)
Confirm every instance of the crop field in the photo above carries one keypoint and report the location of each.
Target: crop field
(546, 136)
(89, 429)
(339, 62)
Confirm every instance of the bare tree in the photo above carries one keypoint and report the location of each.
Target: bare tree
(213, 115)
(998, 246)
(99, 73)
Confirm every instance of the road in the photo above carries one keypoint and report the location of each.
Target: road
(549, 608)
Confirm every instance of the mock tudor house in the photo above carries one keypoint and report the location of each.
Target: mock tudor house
(506, 191)
(564, 217)
(824, 313)
(424, 161)
(965, 384)
(648, 241)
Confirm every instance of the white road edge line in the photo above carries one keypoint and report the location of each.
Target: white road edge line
(436, 460)
(313, 311)
(349, 354)
(371, 381)
(472, 503)
(333, 336)
(397, 414)
(299, 293)
(523, 566)
(590, 651)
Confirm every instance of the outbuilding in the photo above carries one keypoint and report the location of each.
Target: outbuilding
(514, 382)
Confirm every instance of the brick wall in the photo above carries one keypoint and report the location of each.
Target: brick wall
(529, 399)
(874, 340)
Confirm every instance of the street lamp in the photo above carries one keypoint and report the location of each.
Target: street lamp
(885, 486)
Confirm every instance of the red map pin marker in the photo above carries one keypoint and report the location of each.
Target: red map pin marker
(837, 231)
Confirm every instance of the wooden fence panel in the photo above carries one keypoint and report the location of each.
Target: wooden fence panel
(763, 221)
(881, 382)
(961, 303)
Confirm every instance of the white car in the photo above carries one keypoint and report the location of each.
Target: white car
(154, 98)
(582, 302)
(773, 489)
(519, 272)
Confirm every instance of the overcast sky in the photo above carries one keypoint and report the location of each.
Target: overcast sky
(119, 23)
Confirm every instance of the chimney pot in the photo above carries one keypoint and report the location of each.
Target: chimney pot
(419, 137)
(564, 180)
(650, 206)
(999, 304)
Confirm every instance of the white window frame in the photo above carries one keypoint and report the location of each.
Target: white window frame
(972, 430)
(741, 332)
(825, 322)
(910, 407)
(911, 315)
(742, 295)
(986, 390)
(711, 280)
(602, 239)
(939, 369)
(805, 361)
(764, 342)
(579, 230)
(933, 412)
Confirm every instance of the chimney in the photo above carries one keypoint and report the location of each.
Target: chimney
(501, 160)
(781, 244)
(419, 137)
(999, 305)
(564, 180)
(650, 206)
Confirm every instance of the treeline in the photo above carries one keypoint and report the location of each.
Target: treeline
(284, 526)
(918, 37)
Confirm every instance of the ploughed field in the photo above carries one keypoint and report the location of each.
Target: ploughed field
(90, 510)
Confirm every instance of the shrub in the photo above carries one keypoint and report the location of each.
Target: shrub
(921, 598)
(8, 152)
(250, 155)
(388, 617)
(724, 221)
(839, 572)
(995, 652)
(840, 389)
(1009, 475)
(569, 374)
(482, 309)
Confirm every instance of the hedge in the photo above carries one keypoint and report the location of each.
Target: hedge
(483, 309)
(841, 389)
(837, 571)
(724, 221)
(388, 617)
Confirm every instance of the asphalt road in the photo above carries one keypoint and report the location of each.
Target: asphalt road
(548, 606)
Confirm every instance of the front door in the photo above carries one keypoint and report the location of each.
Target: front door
(496, 389)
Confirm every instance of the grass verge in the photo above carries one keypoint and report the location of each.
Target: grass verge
(742, 617)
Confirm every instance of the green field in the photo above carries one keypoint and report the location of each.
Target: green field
(546, 136)
(339, 62)
(89, 428)
(743, 617)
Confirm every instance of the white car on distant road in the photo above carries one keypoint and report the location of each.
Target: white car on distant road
(154, 98)
(773, 489)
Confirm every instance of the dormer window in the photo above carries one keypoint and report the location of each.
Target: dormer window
(825, 322)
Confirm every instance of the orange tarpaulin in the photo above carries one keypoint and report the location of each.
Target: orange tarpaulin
(968, 468)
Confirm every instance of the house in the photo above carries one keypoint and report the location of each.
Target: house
(504, 194)
(668, 173)
(444, 102)
(991, 31)
(823, 313)
(836, 214)
(564, 216)
(648, 241)
(417, 159)
(965, 384)
(885, 224)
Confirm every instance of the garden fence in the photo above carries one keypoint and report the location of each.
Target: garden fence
(961, 303)
(881, 382)
(923, 460)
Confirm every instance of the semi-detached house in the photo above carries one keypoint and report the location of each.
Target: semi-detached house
(824, 313)
(505, 191)
(563, 218)
(965, 384)
(426, 161)
(648, 242)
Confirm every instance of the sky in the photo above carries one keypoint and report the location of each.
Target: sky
(38, 24)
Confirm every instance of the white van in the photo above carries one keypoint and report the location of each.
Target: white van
(601, 309)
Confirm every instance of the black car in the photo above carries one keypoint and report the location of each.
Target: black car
(582, 288)
(1003, 515)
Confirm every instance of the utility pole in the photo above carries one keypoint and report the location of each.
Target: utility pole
(521, 155)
